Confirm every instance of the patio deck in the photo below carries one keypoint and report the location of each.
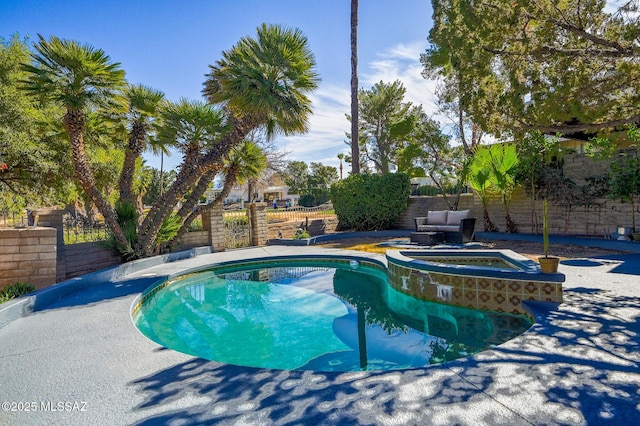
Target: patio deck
(578, 365)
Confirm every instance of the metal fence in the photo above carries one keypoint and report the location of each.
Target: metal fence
(300, 213)
(78, 229)
(236, 229)
(13, 220)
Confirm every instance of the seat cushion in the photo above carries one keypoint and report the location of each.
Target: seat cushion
(437, 217)
(439, 228)
(454, 217)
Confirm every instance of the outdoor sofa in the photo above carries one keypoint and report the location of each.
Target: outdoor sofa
(456, 225)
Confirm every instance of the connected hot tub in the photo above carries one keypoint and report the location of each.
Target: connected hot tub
(494, 280)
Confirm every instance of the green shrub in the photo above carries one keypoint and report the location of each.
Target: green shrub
(15, 290)
(127, 217)
(196, 225)
(370, 202)
(314, 199)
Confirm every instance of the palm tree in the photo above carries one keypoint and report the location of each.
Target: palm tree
(355, 142)
(340, 157)
(79, 78)
(261, 82)
(504, 161)
(143, 107)
(479, 179)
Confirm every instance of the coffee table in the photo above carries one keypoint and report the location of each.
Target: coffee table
(427, 238)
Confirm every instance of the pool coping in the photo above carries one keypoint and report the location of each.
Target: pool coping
(529, 270)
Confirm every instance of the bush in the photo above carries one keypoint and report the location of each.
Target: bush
(314, 199)
(370, 202)
(15, 290)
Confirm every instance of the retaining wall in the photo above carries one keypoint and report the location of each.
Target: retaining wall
(28, 255)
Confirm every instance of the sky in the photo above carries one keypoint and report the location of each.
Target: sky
(168, 45)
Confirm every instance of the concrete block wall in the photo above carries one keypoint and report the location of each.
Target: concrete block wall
(258, 223)
(213, 224)
(28, 255)
(193, 239)
(316, 227)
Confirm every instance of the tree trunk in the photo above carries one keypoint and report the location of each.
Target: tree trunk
(511, 226)
(488, 225)
(191, 213)
(74, 124)
(187, 178)
(133, 151)
(355, 141)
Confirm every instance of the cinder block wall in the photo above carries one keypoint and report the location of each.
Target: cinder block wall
(602, 216)
(28, 255)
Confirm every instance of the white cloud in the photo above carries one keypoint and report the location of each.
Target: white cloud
(332, 101)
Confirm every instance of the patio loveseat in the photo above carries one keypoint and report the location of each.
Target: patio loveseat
(456, 225)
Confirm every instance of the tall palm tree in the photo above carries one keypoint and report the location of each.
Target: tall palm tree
(261, 82)
(340, 157)
(79, 78)
(355, 141)
(143, 107)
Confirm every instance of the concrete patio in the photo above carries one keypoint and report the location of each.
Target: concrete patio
(577, 365)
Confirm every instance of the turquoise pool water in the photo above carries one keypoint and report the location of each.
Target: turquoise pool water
(314, 315)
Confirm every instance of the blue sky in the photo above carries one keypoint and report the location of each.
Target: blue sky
(168, 45)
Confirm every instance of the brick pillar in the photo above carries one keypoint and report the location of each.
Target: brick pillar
(258, 223)
(53, 219)
(213, 222)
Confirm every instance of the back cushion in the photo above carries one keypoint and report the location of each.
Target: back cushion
(438, 217)
(455, 217)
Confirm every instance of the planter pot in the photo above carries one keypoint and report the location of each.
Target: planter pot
(549, 265)
(624, 233)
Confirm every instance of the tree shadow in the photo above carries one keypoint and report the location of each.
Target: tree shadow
(93, 294)
(579, 364)
(628, 263)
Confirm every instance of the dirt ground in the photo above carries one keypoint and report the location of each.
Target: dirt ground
(528, 249)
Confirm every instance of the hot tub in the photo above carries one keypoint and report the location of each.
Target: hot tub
(495, 280)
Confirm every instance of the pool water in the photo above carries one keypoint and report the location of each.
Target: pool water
(316, 315)
(485, 262)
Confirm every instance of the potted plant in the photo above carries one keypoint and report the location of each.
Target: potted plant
(548, 264)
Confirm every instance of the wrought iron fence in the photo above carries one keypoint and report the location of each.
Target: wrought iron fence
(300, 213)
(13, 220)
(78, 229)
(236, 229)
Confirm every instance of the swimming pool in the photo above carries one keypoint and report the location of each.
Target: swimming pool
(313, 314)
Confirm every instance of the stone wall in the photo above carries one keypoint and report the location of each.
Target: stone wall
(28, 255)
(316, 227)
(193, 239)
(258, 223)
(213, 224)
